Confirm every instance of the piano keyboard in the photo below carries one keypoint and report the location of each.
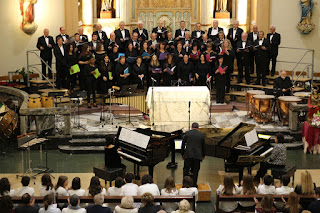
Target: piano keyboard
(129, 156)
(267, 152)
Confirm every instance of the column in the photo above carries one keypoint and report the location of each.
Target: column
(125, 11)
(206, 12)
(263, 15)
(87, 17)
(71, 18)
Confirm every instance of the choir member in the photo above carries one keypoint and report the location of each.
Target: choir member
(261, 48)
(106, 80)
(214, 30)
(218, 42)
(145, 53)
(131, 55)
(91, 81)
(153, 43)
(243, 51)
(178, 53)
(202, 72)
(142, 33)
(180, 32)
(220, 80)
(123, 35)
(114, 56)
(112, 42)
(274, 40)
(160, 31)
(83, 38)
(197, 34)
(71, 60)
(228, 58)
(187, 42)
(76, 44)
(168, 71)
(139, 73)
(61, 63)
(234, 34)
(210, 55)
(204, 42)
(162, 53)
(93, 43)
(123, 72)
(282, 85)
(136, 43)
(185, 71)
(84, 57)
(194, 54)
(99, 54)
(102, 36)
(155, 70)
(253, 36)
(170, 42)
(63, 35)
(45, 44)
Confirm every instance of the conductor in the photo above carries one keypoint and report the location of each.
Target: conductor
(192, 151)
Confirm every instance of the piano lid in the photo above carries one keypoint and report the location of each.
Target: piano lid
(227, 137)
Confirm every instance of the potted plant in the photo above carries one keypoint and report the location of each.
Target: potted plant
(23, 71)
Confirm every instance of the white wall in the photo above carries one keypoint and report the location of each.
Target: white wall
(14, 42)
(285, 15)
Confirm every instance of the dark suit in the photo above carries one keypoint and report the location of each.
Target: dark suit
(26, 209)
(179, 32)
(244, 61)
(262, 59)
(84, 38)
(98, 209)
(61, 67)
(193, 151)
(66, 37)
(143, 36)
(150, 209)
(103, 37)
(194, 35)
(160, 36)
(124, 43)
(280, 84)
(136, 44)
(235, 39)
(46, 54)
(274, 48)
(314, 207)
(213, 37)
(251, 38)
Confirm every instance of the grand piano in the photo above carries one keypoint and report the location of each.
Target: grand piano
(145, 147)
(230, 145)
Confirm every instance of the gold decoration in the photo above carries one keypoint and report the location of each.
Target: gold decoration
(164, 4)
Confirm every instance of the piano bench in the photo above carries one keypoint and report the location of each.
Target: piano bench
(289, 170)
(108, 174)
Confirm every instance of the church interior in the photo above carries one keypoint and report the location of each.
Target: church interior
(186, 96)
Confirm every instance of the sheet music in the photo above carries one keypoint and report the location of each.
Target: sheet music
(251, 137)
(134, 138)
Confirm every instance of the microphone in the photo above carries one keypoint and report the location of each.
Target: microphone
(154, 80)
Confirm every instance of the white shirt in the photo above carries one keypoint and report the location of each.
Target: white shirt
(271, 36)
(261, 42)
(100, 34)
(51, 209)
(228, 206)
(244, 44)
(118, 209)
(79, 192)
(43, 190)
(67, 210)
(80, 37)
(198, 34)
(154, 43)
(214, 31)
(284, 190)
(140, 31)
(11, 193)
(62, 49)
(234, 33)
(103, 192)
(263, 189)
(192, 191)
(169, 207)
(61, 191)
(129, 189)
(25, 189)
(114, 191)
(182, 32)
(255, 36)
(149, 187)
(47, 40)
(123, 32)
(64, 37)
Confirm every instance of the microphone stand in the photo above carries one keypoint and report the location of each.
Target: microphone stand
(152, 106)
(189, 113)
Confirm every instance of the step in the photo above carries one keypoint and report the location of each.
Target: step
(87, 141)
(292, 146)
(81, 149)
(88, 134)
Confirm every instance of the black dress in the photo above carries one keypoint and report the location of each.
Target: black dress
(99, 58)
(71, 60)
(82, 75)
(131, 54)
(139, 70)
(106, 71)
(112, 158)
(156, 76)
(91, 82)
(203, 70)
(220, 80)
(146, 62)
(185, 71)
(113, 56)
(168, 77)
(120, 68)
(228, 60)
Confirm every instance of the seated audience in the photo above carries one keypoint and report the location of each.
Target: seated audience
(25, 187)
(96, 188)
(247, 188)
(169, 190)
(76, 187)
(266, 186)
(49, 207)
(6, 205)
(126, 206)
(184, 207)
(61, 187)
(129, 188)
(148, 201)
(46, 185)
(5, 188)
(284, 189)
(228, 188)
(187, 188)
(266, 205)
(115, 191)
(292, 206)
(147, 185)
(74, 205)
(98, 205)
(306, 186)
(314, 207)
(27, 205)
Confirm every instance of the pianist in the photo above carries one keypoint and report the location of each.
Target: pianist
(112, 158)
(278, 157)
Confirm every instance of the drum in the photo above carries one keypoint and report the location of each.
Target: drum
(262, 108)
(34, 101)
(8, 123)
(249, 96)
(283, 107)
(46, 101)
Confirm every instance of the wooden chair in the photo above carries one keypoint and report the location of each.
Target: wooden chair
(34, 76)
(316, 82)
(19, 84)
(4, 80)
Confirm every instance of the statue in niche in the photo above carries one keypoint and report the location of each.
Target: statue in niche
(27, 12)
(221, 5)
(106, 5)
(305, 25)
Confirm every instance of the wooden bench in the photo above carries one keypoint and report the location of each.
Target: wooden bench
(108, 174)
(289, 170)
(304, 199)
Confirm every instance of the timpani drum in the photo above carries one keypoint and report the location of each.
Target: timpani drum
(8, 122)
(283, 107)
(46, 101)
(34, 101)
(262, 108)
(249, 96)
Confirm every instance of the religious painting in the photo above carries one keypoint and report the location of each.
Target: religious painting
(305, 26)
(27, 12)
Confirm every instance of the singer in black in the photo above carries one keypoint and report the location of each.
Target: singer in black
(228, 58)
(168, 73)
(282, 85)
(91, 81)
(243, 52)
(106, 79)
(202, 72)
(122, 72)
(275, 40)
(261, 48)
(185, 71)
(61, 63)
(220, 77)
(193, 152)
(155, 70)
(71, 60)
(139, 73)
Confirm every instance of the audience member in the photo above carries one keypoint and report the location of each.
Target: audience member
(147, 185)
(184, 207)
(129, 188)
(98, 205)
(228, 188)
(148, 201)
(25, 187)
(284, 189)
(292, 206)
(96, 188)
(247, 188)
(49, 207)
(27, 205)
(306, 186)
(5, 188)
(314, 207)
(61, 188)
(266, 205)
(6, 205)
(76, 187)
(187, 188)
(126, 206)
(266, 186)
(74, 205)
(115, 191)
(169, 190)
(46, 185)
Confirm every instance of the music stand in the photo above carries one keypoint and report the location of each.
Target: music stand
(78, 95)
(128, 89)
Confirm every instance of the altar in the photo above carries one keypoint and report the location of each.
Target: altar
(171, 105)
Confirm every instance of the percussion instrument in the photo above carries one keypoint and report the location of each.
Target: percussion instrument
(302, 94)
(46, 101)
(283, 107)
(262, 108)
(249, 96)
(137, 101)
(34, 101)
(8, 122)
